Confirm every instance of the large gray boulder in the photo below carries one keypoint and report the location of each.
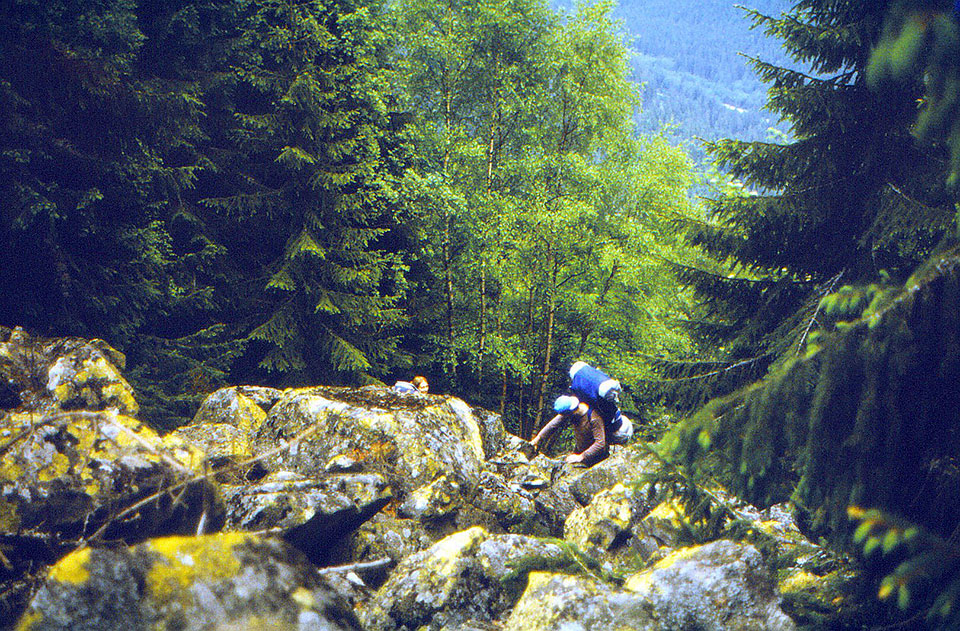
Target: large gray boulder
(411, 439)
(626, 465)
(720, 586)
(210, 583)
(78, 474)
(313, 514)
(609, 522)
(458, 583)
(577, 603)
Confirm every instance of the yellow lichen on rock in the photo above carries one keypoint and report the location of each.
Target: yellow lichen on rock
(449, 550)
(58, 467)
(73, 568)
(96, 382)
(10, 471)
(800, 581)
(249, 415)
(304, 598)
(643, 580)
(640, 582)
(670, 511)
(184, 560)
(29, 620)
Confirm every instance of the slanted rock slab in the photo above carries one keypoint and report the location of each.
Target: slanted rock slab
(412, 440)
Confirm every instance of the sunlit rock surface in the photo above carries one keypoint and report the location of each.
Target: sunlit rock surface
(44, 375)
(719, 586)
(224, 425)
(608, 522)
(434, 516)
(412, 438)
(454, 584)
(219, 582)
(625, 464)
(577, 603)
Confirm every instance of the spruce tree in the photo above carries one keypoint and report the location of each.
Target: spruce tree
(305, 189)
(852, 198)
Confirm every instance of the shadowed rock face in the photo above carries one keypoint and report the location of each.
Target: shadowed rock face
(224, 581)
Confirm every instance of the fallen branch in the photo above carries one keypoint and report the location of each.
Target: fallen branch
(366, 566)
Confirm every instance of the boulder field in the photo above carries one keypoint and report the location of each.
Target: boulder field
(350, 508)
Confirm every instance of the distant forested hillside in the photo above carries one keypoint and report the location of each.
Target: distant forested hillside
(689, 55)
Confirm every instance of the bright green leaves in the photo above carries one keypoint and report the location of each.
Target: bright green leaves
(547, 221)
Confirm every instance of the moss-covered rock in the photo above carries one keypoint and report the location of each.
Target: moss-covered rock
(609, 521)
(45, 374)
(313, 514)
(457, 580)
(412, 440)
(577, 603)
(625, 465)
(224, 581)
(719, 586)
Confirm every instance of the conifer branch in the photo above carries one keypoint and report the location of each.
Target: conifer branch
(726, 369)
(806, 331)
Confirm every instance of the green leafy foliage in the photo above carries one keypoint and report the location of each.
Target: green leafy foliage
(546, 221)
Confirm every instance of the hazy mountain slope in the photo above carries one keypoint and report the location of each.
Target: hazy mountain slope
(688, 55)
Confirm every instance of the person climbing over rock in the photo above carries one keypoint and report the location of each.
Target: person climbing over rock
(593, 410)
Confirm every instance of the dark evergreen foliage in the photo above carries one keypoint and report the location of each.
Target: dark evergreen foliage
(868, 416)
(854, 196)
(179, 176)
(310, 171)
(98, 152)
